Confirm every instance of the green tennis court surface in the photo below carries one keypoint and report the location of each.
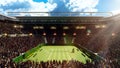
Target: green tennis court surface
(46, 53)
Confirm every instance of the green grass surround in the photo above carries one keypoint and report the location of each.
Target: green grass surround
(44, 53)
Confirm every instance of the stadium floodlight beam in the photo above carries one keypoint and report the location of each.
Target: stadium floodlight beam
(64, 38)
(45, 39)
(73, 39)
(53, 41)
(88, 31)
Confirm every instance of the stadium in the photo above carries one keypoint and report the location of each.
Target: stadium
(60, 40)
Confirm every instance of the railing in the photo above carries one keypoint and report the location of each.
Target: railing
(4, 17)
(104, 14)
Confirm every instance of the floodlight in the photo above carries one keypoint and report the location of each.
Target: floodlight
(44, 34)
(52, 27)
(74, 34)
(97, 26)
(5, 34)
(103, 26)
(54, 34)
(88, 34)
(113, 34)
(65, 27)
(64, 34)
(30, 34)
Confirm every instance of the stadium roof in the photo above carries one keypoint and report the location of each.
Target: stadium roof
(59, 17)
(61, 14)
(59, 20)
(4, 17)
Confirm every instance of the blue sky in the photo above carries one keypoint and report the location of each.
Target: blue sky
(108, 5)
(40, 0)
(59, 6)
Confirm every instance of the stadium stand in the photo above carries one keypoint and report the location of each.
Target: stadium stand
(19, 37)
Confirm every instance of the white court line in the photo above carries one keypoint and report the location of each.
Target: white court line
(68, 55)
(50, 55)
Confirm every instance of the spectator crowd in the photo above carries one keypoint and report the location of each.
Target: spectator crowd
(11, 47)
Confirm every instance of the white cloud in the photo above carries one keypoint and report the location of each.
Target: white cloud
(50, 6)
(75, 5)
(42, 7)
(115, 12)
(82, 5)
(115, 7)
(90, 9)
(25, 6)
(5, 2)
